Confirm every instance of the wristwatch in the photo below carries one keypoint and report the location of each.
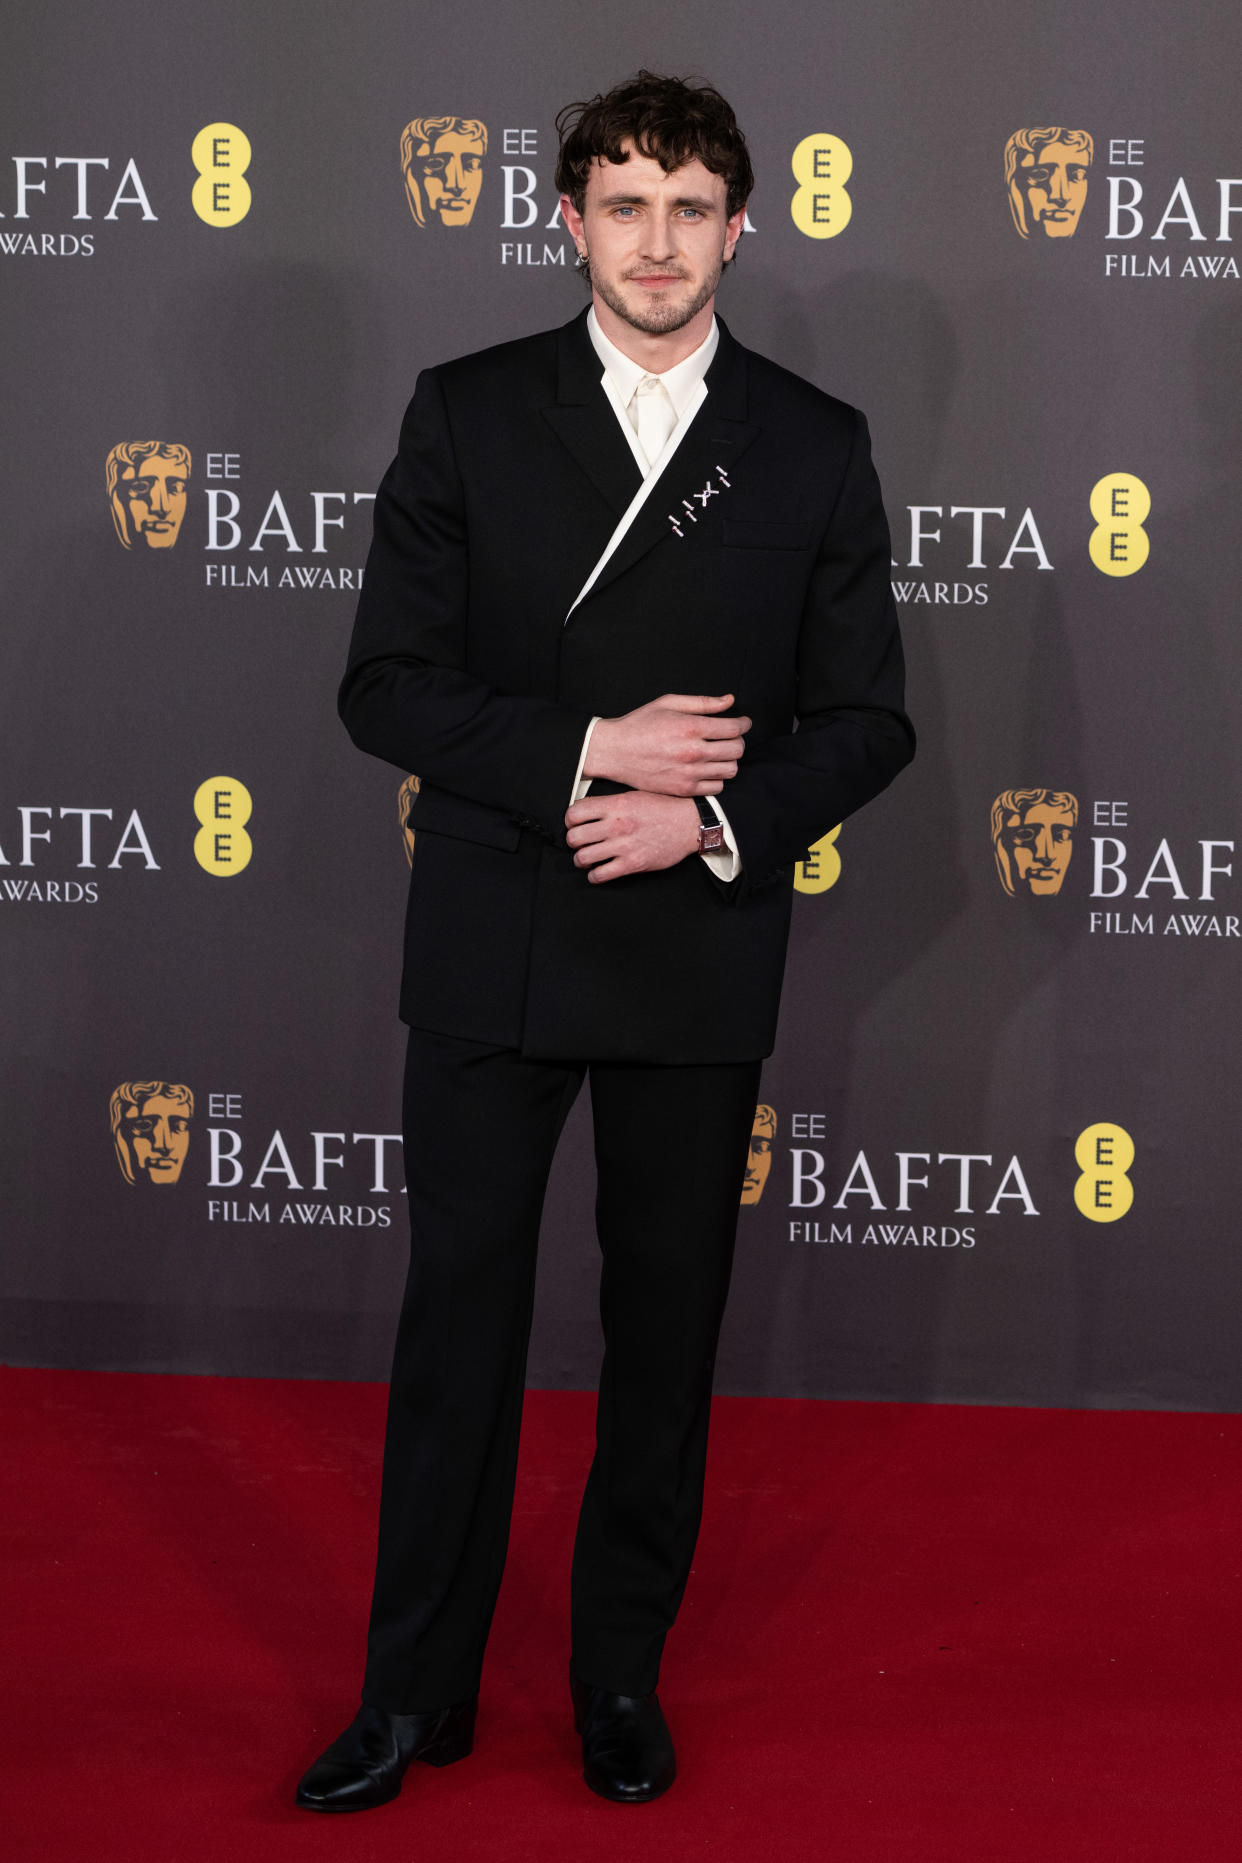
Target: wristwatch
(711, 828)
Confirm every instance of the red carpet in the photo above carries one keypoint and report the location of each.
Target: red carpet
(914, 1633)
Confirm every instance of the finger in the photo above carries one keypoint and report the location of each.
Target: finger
(727, 744)
(595, 851)
(713, 728)
(613, 870)
(713, 773)
(722, 768)
(589, 811)
(693, 702)
(586, 834)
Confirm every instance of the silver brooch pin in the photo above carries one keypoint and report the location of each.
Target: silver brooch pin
(709, 491)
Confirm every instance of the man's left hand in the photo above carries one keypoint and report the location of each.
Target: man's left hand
(636, 832)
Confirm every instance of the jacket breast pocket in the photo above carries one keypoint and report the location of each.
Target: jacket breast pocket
(760, 534)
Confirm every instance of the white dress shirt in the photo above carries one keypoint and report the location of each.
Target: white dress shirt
(651, 407)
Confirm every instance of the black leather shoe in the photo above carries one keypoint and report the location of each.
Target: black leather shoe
(366, 1765)
(627, 1750)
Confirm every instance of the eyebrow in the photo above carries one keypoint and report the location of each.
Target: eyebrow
(644, 200)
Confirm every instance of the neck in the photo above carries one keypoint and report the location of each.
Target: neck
(655, 353)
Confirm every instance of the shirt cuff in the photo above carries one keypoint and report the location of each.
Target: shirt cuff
(725, 862)
(583, 783)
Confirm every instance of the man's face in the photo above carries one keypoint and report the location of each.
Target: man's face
(656, 243)
(154, 494)
(451, 176)
(1054, 182)
(1040, 843)
(158, 1135)
(759, 1163)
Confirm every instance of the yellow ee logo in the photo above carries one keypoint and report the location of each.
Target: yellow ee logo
(1120, 504)
(223, 805)
(1104, 1153)
(221, 154)
(822, 165)
(820, 866)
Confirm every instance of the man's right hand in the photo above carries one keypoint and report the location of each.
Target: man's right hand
(675, 745)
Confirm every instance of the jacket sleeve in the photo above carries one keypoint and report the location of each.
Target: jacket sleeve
(406, 695)
(852, 735)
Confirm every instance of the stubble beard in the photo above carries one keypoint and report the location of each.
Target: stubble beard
(654, 318)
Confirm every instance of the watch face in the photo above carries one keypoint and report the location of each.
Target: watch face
(710, 839)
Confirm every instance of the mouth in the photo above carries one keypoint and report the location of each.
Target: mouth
(656, 281)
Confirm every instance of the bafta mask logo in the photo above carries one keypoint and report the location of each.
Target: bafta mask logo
(147, 492)
(442, 161)
(1033, 839)
(759, 1163)
(405, 802)
(1046, 175)
(151, 1129)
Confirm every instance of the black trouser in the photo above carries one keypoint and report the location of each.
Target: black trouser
(481, 1126)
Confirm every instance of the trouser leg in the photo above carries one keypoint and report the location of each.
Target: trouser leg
(671, 1146)
(481, 1125)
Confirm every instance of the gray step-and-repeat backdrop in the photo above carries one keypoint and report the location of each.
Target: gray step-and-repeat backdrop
(995, 1158)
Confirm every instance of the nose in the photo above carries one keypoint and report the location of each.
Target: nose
(454, 177)
(161, 1138)
(158, 496)
(661, 242)
(1057, 187)
(1043, 847)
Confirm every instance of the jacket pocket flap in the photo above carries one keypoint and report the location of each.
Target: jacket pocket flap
(759, 534)
(441, 812)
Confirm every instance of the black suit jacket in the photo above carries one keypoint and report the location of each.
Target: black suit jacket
(510, 477)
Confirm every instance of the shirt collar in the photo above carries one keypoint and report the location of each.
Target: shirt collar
(680, 382)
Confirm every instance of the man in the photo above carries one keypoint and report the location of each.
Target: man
(147, 482)
(613, 563)
(1046, 175)
(442, 161)
(1033, 839)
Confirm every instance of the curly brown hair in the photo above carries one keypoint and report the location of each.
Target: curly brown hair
(670, 120)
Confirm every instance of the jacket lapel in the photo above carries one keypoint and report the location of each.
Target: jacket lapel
(718, 436)
(583, 419)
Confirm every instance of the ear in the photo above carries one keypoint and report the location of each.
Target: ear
(573, 220)
(733, 231)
